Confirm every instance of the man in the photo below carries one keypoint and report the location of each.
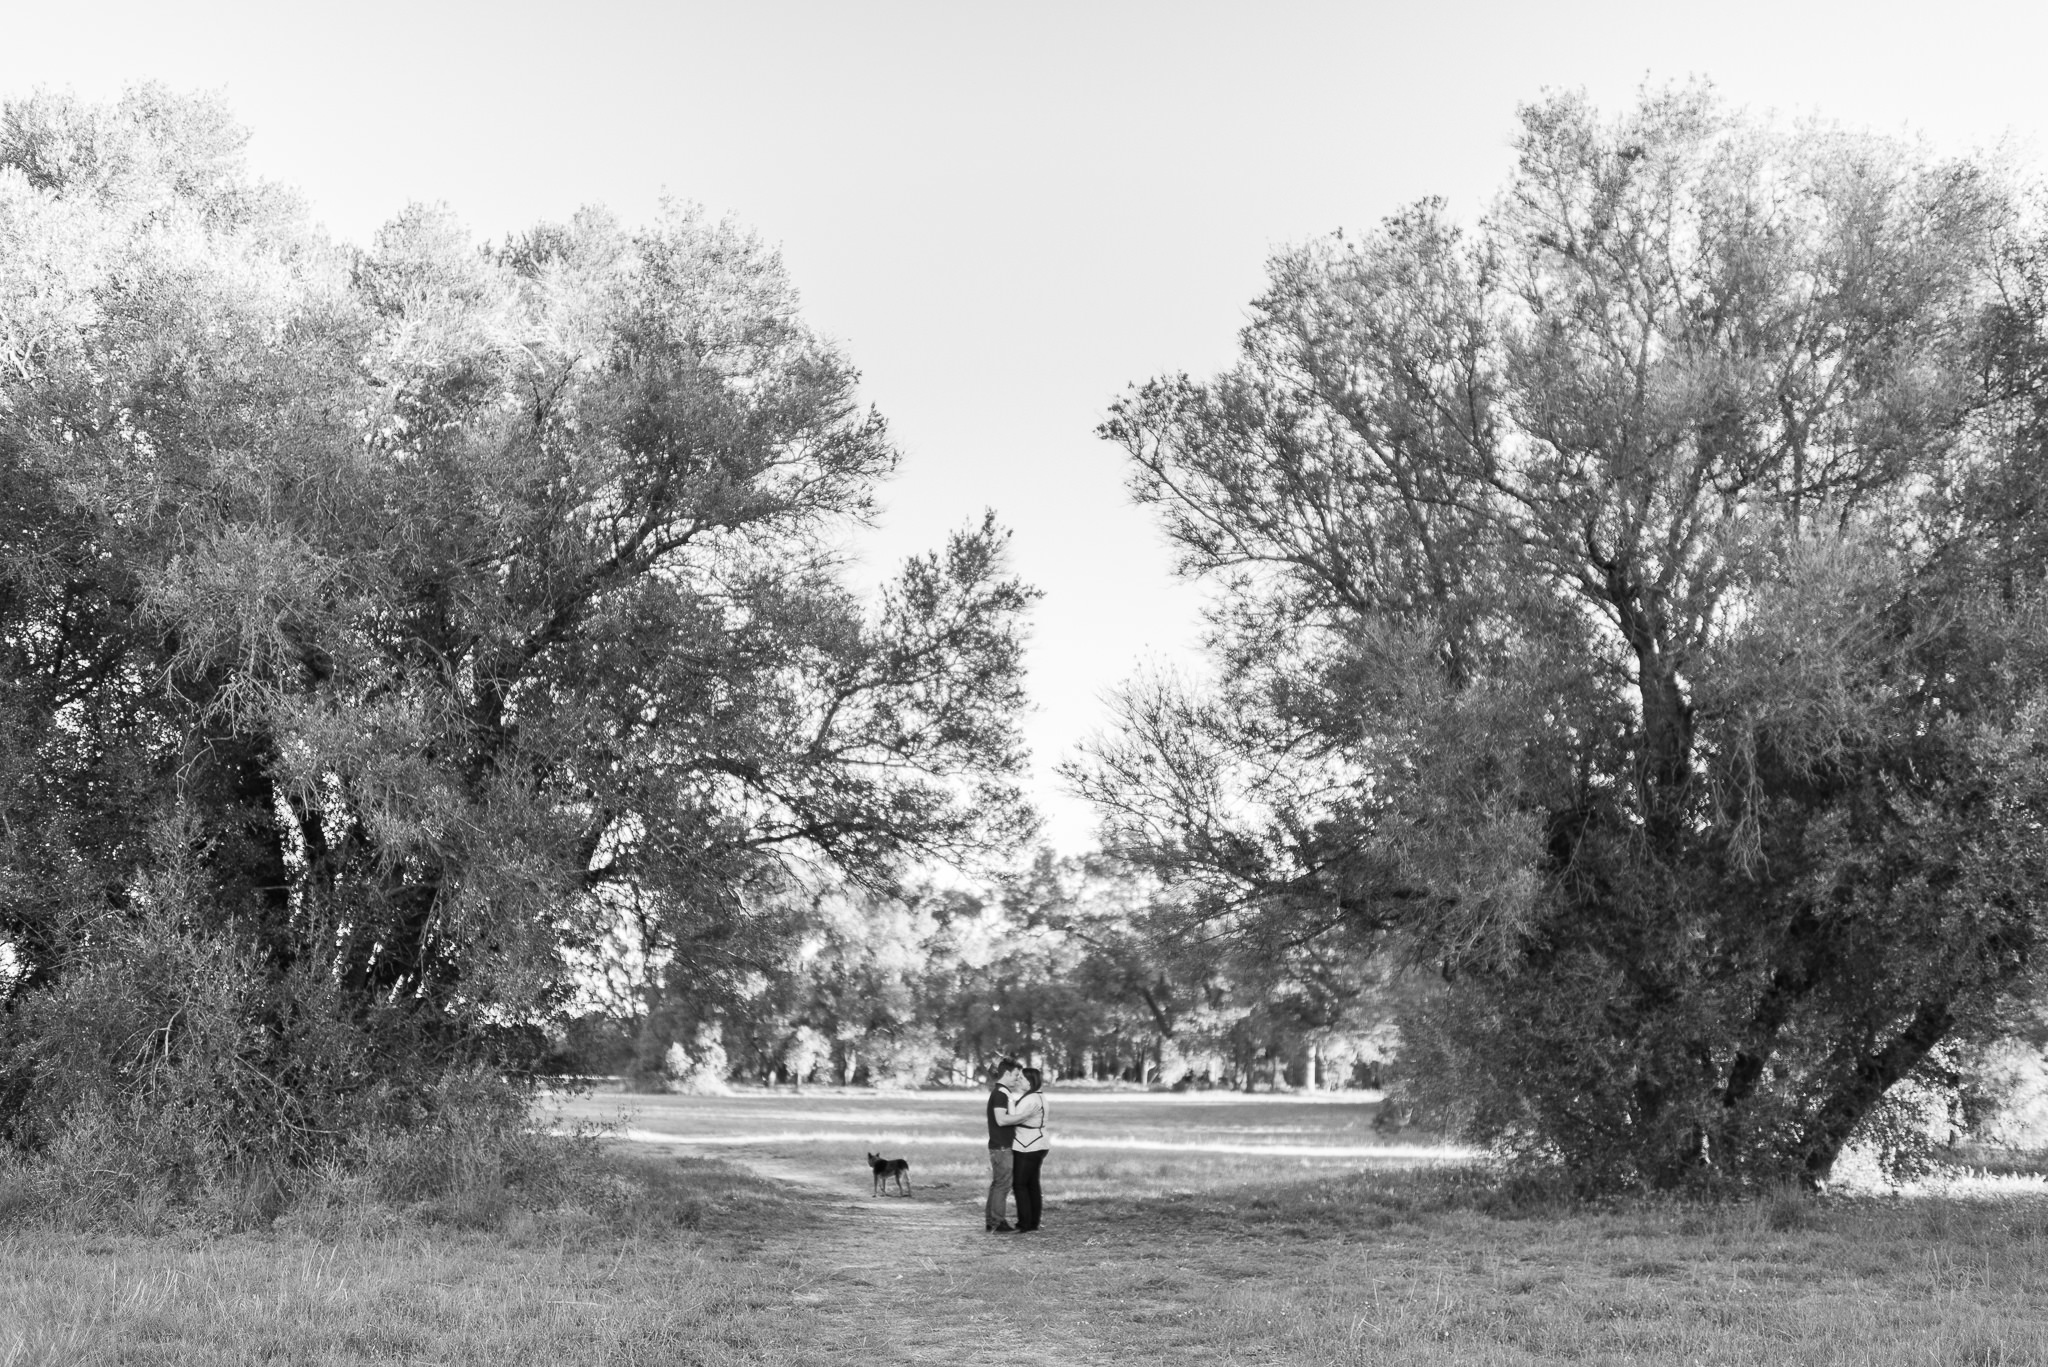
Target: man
(1009, 1077)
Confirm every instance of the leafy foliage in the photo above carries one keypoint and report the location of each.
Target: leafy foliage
(1628, 610)
(378, 625)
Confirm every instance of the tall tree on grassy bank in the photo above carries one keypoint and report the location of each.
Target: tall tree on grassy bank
(1609, 621)
(378, 624)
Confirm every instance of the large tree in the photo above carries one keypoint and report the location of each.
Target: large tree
(1604, 621)
(391, 619)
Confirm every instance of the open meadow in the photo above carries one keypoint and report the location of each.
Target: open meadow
(1197, 1228)
(1112, 1142)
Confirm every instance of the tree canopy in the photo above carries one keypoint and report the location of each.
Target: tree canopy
(380, 623)
(1628, 608)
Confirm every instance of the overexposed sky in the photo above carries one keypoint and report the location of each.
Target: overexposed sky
(1005, 213)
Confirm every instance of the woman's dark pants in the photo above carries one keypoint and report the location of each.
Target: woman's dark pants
(1030, 1201)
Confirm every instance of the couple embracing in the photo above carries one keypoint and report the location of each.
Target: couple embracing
(1017, 1145)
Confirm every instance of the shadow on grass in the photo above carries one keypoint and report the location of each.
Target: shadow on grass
(602, 1196)
(1319, 1207)
(648, 1194)
(1361, 1205)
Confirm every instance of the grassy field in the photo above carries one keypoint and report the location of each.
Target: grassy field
(699, 1274)
(1197, 1229)
(1111, 1143)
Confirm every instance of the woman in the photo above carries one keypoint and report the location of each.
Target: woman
(1029, 1149)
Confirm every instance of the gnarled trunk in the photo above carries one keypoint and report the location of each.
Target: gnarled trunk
(1838, 1116)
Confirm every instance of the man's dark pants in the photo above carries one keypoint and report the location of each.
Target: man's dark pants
(998, 1185)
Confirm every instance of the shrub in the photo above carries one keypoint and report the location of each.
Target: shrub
(698, 1068)
(170, 1077)
(904, 1058)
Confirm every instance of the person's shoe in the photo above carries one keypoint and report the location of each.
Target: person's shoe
(1004, 1228)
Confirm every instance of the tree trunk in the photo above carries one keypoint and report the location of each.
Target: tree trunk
(1667, 750)
(1841, 1113)
(1664, 764)
(650, 1042)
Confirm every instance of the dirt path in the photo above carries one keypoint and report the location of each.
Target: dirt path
(908, 1279)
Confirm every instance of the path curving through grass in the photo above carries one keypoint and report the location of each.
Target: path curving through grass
(1191, 1231)
(917, 1280)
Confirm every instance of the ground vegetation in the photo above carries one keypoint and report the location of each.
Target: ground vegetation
(1243, 1261)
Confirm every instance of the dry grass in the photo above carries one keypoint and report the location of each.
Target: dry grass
(1431, 1268)
(445, 1298)
(1163, 1256)
(1417, 1269)
(698, 1271)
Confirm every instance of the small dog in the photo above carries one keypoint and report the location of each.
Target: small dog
(885, 1168)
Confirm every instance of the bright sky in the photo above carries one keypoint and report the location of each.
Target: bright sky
(1005, 213)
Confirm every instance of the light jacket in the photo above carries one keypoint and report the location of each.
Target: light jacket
(1031, 1136)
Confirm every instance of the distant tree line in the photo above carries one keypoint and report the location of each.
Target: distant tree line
(1062, 965)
